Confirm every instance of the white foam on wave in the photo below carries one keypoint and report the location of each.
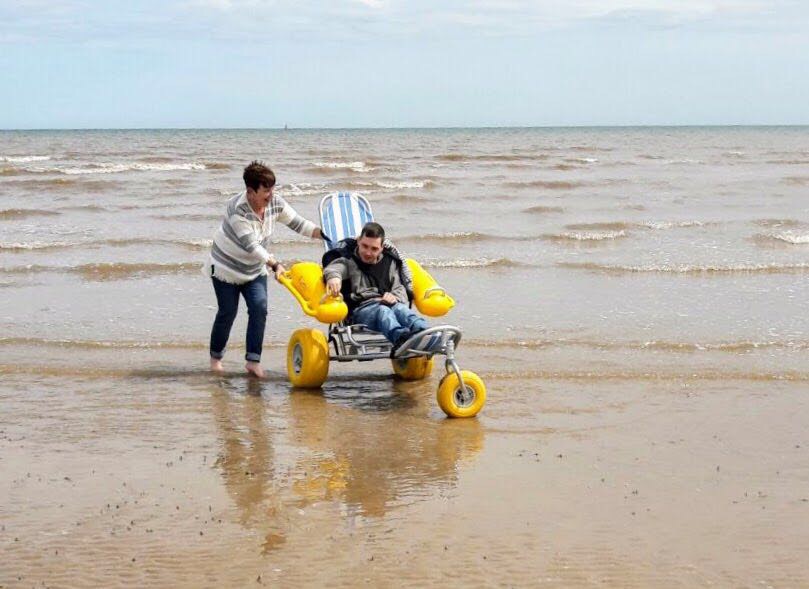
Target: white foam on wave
(22, 159)
(791, 237)
(353, 166)
(684, 161)
(592, 235)
(112, 168)
(35, 245)
(690, 269)
(673, 224)
(471, 263)
(197, 243)
(402, 185)
(300, 189)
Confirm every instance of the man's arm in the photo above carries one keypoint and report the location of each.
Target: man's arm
(397, 289)
(334, 274)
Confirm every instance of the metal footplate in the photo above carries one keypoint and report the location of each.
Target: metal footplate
(441, 339)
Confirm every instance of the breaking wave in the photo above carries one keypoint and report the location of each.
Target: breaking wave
(777, 222)
(112, 270)
(112, 168)
(461, 157)
(35, 245)
(688, 269)
(786, 237)
(105, 168)
(542, 210)
(25, 213)
(474, 263)
(587, 236)
(190, 244)
(187, 217)
(23, 159)
(96, 344)
(627, 225)
(358, 166)
(739, 347)
(547, 184)
(82, 184)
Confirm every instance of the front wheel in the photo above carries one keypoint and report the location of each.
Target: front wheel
(412, 368)
(457, 403)
(307, 358)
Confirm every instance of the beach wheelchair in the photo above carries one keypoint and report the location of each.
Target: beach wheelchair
(461, 393)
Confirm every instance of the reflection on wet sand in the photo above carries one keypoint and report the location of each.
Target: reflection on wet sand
(367, 449)
(246, 455)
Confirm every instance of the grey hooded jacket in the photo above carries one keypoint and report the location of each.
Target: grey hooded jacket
(358, 287)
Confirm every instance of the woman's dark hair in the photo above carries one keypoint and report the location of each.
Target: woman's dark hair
(257, 174)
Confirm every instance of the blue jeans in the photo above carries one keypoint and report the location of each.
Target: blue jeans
(227, 296)
(393, 322)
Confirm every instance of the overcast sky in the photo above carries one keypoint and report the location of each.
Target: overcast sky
(397, 63)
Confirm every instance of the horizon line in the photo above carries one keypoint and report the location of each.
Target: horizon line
(416, 128)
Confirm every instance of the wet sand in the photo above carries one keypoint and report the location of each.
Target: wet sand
(633, 298)
(146, 475)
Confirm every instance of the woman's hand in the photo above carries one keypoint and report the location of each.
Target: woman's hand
(279, 269)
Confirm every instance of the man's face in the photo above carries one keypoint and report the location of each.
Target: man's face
(369, 249)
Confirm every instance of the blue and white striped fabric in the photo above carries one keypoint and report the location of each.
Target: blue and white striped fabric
(342, 215)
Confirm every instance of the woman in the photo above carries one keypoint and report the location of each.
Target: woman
(239, 261)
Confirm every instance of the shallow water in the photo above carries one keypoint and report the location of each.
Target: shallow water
(635, 300)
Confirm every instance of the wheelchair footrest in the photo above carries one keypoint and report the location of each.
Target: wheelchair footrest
(432, 340)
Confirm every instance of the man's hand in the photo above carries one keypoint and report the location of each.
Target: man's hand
(389, 299)
(333, 286)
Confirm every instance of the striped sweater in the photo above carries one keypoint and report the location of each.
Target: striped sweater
(239, 251)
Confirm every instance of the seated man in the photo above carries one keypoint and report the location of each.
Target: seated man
(376, 296)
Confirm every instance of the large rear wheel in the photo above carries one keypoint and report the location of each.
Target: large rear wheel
(461, 403)
(307, 358)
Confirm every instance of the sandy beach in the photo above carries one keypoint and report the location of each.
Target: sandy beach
(634, 300)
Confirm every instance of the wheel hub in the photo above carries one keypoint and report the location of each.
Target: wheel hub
(464, 398)
(297, 359)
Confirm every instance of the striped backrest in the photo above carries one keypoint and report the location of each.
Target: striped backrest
(342, 215)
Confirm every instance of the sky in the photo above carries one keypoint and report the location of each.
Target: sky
(397, 63)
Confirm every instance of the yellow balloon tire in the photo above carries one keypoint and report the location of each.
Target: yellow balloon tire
(453, 403)
(412, 368)
(308, 358)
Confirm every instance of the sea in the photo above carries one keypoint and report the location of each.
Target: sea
(635, 300)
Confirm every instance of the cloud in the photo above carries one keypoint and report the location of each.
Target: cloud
(253, 20)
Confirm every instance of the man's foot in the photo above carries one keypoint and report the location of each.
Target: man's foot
(255, 369)
(398, 344)
(428, 344)
(216, 365)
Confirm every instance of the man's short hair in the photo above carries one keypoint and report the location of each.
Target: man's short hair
(257, 174)
(373, 230)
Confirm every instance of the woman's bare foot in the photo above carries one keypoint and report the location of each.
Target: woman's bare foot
(255, 369)
(216, 365)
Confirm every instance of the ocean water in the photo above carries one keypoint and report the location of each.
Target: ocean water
(598, 273)
(635, 243)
